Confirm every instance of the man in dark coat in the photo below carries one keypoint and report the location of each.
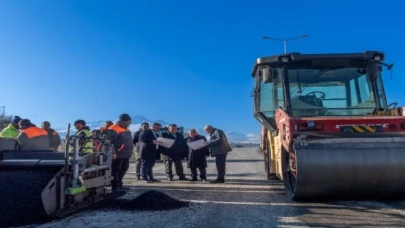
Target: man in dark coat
(148, 150)
(175, 154)
(144, 126)
(197, 158)
(220, 148)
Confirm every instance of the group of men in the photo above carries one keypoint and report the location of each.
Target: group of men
(148, 148)
(31, 137)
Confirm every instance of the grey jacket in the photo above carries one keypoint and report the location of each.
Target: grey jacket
(54, 139)
(218, 143)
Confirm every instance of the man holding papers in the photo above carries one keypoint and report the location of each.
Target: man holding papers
(174, 154)
(220, 148)
(197, 156)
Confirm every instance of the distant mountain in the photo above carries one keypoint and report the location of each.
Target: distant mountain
(138, 120)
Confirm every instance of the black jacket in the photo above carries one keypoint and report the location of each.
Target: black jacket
(122, 141)
(147, 149)
(179, 150)
(197, 158)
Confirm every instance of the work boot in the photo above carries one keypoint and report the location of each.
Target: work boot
(183, 179)
(204, 179)
(217, 181)
(154, 180)
(193, 179)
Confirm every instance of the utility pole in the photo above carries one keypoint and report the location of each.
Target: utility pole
(284, 40)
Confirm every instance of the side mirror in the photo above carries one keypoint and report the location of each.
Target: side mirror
(268, 74)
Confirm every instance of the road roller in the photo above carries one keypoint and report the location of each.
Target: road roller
(38, 185)
(327, 129)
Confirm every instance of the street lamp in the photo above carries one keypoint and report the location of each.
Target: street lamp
(284, 40)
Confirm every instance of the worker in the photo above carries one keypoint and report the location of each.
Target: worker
(107, 124)
(86, 142)
(123, 147)
(54, 137)
(11, 131)
(97, 145)
(32, 137)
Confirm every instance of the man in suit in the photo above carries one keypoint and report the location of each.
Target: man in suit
(197, 158)
(175, 154)
(144, 126)
(220, 148)
(148, 151)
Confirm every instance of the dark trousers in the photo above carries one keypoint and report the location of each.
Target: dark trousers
(203, 173)
(119, 169)
(138, 167)
(220, 161)
(147, 169)
(178, 165)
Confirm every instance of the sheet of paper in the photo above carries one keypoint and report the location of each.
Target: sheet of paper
(195, 145)
(165, 142)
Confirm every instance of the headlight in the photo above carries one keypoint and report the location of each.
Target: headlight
(311, 124)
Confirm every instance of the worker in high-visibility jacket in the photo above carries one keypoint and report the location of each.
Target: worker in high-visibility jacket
(122, 152)
(107, 124)
(54, 137)
(12, 130)
(32, 137)
(97, 145)
(85, 144)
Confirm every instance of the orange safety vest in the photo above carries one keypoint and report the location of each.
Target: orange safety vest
(32, 132)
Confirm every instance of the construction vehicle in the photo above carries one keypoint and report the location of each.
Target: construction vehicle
(327, 129)
(52, 184)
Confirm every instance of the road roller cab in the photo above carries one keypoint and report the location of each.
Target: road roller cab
(327, 129)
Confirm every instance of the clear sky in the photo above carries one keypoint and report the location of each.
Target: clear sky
(187, 62)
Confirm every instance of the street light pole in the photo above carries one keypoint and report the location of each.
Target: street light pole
(284, 40)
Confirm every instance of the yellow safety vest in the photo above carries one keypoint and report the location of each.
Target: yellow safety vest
(88, 146)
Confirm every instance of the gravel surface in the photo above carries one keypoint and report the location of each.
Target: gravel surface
(245, 200)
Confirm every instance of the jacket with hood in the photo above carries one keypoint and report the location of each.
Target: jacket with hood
(9, 132)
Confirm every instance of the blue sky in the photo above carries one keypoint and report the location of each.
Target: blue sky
(186, 62)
